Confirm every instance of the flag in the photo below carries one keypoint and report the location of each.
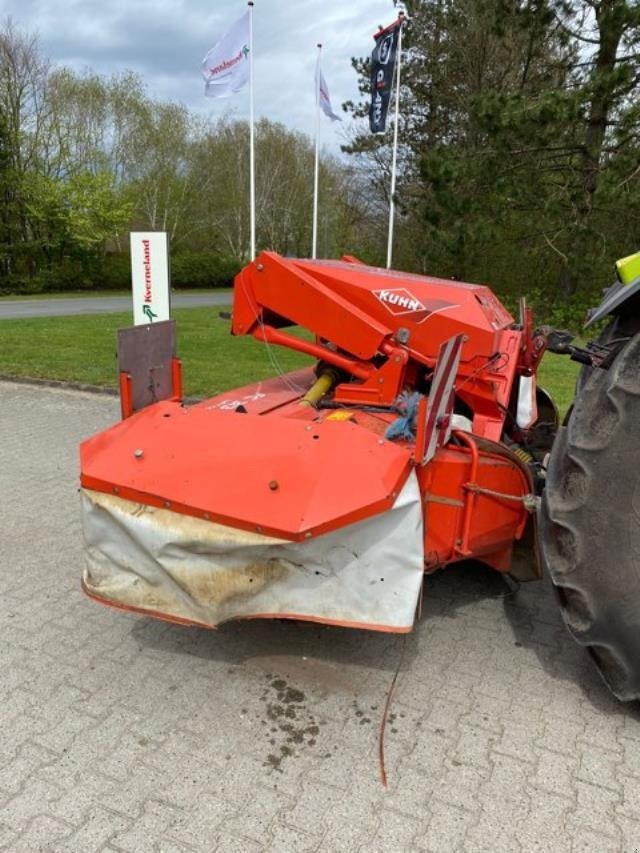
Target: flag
(322, 90)
(226, 67)
(383, 63)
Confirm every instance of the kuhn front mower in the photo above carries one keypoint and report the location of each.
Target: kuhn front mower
(419, 439)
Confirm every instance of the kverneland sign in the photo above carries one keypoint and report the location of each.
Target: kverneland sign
(150, 276)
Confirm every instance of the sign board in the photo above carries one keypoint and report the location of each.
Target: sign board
(150, 276)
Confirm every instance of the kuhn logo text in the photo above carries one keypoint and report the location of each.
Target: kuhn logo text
(399, 301)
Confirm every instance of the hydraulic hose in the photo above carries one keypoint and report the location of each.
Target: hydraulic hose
(323, 384)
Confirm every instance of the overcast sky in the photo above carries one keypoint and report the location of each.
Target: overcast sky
(166, 40)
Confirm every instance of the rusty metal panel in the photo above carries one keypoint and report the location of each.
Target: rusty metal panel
(145, 354)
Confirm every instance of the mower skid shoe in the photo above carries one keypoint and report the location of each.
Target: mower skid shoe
(184, 569)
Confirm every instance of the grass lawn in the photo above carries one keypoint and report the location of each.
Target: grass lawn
(557, 375)
(83, 349)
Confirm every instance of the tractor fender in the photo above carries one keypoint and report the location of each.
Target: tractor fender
(615, 298)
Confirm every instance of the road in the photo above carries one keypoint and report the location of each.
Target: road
(121, 733)
(13, 309)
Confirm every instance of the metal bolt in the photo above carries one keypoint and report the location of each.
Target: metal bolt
(308, 534)
(259, 267)
(167, 504)
(138, 453)
(273, 485)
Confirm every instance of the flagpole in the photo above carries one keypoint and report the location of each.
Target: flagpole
(314, 238)
(394, 158)
(252, 159)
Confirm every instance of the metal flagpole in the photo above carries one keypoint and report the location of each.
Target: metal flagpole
(252, 159)
(314, 239)
(394, 158)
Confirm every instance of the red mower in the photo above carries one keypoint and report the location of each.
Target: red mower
(419, 438)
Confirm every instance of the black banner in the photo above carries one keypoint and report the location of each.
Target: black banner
(383, 63)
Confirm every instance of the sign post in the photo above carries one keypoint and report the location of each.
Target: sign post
(150, 277)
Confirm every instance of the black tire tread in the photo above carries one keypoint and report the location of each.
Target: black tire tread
(590, 520)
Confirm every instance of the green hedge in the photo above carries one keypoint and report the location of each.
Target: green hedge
(203, 269)
(113, 272)
(59, 278)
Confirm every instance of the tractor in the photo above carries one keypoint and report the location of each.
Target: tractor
(418, 438)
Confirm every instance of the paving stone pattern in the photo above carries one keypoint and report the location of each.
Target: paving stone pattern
(126, 734)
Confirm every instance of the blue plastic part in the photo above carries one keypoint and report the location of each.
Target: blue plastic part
(405, 425)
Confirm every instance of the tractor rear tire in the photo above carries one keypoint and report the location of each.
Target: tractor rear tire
(590, 519)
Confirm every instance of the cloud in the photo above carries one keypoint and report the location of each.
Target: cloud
(165, 40)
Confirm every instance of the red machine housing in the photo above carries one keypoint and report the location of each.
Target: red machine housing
(264, 460)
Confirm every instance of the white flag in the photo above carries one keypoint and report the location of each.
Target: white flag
(323, 94)
(226, 67)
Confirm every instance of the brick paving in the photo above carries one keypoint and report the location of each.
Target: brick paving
(125, 734)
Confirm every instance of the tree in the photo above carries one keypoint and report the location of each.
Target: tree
(520, 131)
(22, 111)
(86, 157)
(284, 186)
